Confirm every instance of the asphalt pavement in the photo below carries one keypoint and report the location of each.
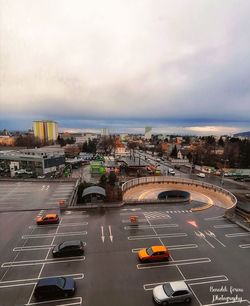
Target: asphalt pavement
(207, 251)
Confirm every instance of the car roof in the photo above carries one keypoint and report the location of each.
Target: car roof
(159, 248)
(48, 281)
(50, 215)
(179, 285)
(71, 243)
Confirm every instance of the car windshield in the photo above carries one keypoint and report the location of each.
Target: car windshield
(168, 289)
(150, 251)
(61, 282)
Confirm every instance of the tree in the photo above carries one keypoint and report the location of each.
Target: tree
(107, 144)
(174, 152)
(221, 142)
(103, 181)
(61, 141)
(112, 179)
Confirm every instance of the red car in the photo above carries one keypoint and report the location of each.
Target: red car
(47, 219)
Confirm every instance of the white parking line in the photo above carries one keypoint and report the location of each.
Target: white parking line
(33, 281)
(225, 225)
(174, 235)
(172, 263)
(192, 281)
(139, 220)
(40, 262)
(60, 225)
(172, 247)
(74, 217)
(36, 247)
(237, 235)
(150, 226)
(217, 218)
(244, 246)
(77, 299)
(225, 303)
(54, 235)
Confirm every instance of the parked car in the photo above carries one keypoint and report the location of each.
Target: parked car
(154, 253)
(171, 171)
(54, 287)
(68, 248)
(48, 219)
(172, 292)
(201, 174)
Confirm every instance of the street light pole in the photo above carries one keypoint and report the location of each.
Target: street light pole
(223, 172)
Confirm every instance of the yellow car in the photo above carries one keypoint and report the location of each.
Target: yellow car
(154, 253)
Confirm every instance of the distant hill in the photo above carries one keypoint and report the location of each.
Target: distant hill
(243, 134)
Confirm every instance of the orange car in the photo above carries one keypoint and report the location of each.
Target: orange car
(154, 253)
(47, 219)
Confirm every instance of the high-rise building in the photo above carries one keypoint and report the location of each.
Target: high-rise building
(45, 130)
(105, 132)
(148, 132)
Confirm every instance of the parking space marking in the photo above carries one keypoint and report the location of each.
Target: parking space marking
(131, 209)
(33, 281)
(225, 225)
(60, 225)
(150, 226)
(192, 281)
(174, 235)
(225, 303)
(173, 247)
(78, 301)
(216, 218)
(40, 262)
(74, 217)
(244, 246)
(54, 235)
(237, 235)
(172, 263)
(36, 247)
(139, 220)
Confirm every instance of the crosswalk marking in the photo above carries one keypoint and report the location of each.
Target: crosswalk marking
(178, 211)
(156, 215)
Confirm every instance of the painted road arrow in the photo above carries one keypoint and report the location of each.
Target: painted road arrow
(103, 237)
(110, 234)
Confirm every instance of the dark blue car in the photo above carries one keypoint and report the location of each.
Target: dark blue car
(55, 287)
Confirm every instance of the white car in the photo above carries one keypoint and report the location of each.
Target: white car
(172, 292)
(201, 174)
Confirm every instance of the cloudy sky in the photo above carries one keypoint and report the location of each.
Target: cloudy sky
(179, 65)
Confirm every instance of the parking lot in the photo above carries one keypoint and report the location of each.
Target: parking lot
(208, 252)
(33, 195)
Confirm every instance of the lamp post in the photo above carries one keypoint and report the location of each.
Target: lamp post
(223, 172)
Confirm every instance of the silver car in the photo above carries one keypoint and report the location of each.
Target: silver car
(172, 292)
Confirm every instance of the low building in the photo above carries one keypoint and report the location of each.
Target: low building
(35, 163)
(6, 140)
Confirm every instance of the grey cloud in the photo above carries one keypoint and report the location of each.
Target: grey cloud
(126, 59)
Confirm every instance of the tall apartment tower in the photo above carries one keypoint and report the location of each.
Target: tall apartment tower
(148, 132)
(105, 132)
(45, 130)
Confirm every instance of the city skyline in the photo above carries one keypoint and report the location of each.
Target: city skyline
(178, 67)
